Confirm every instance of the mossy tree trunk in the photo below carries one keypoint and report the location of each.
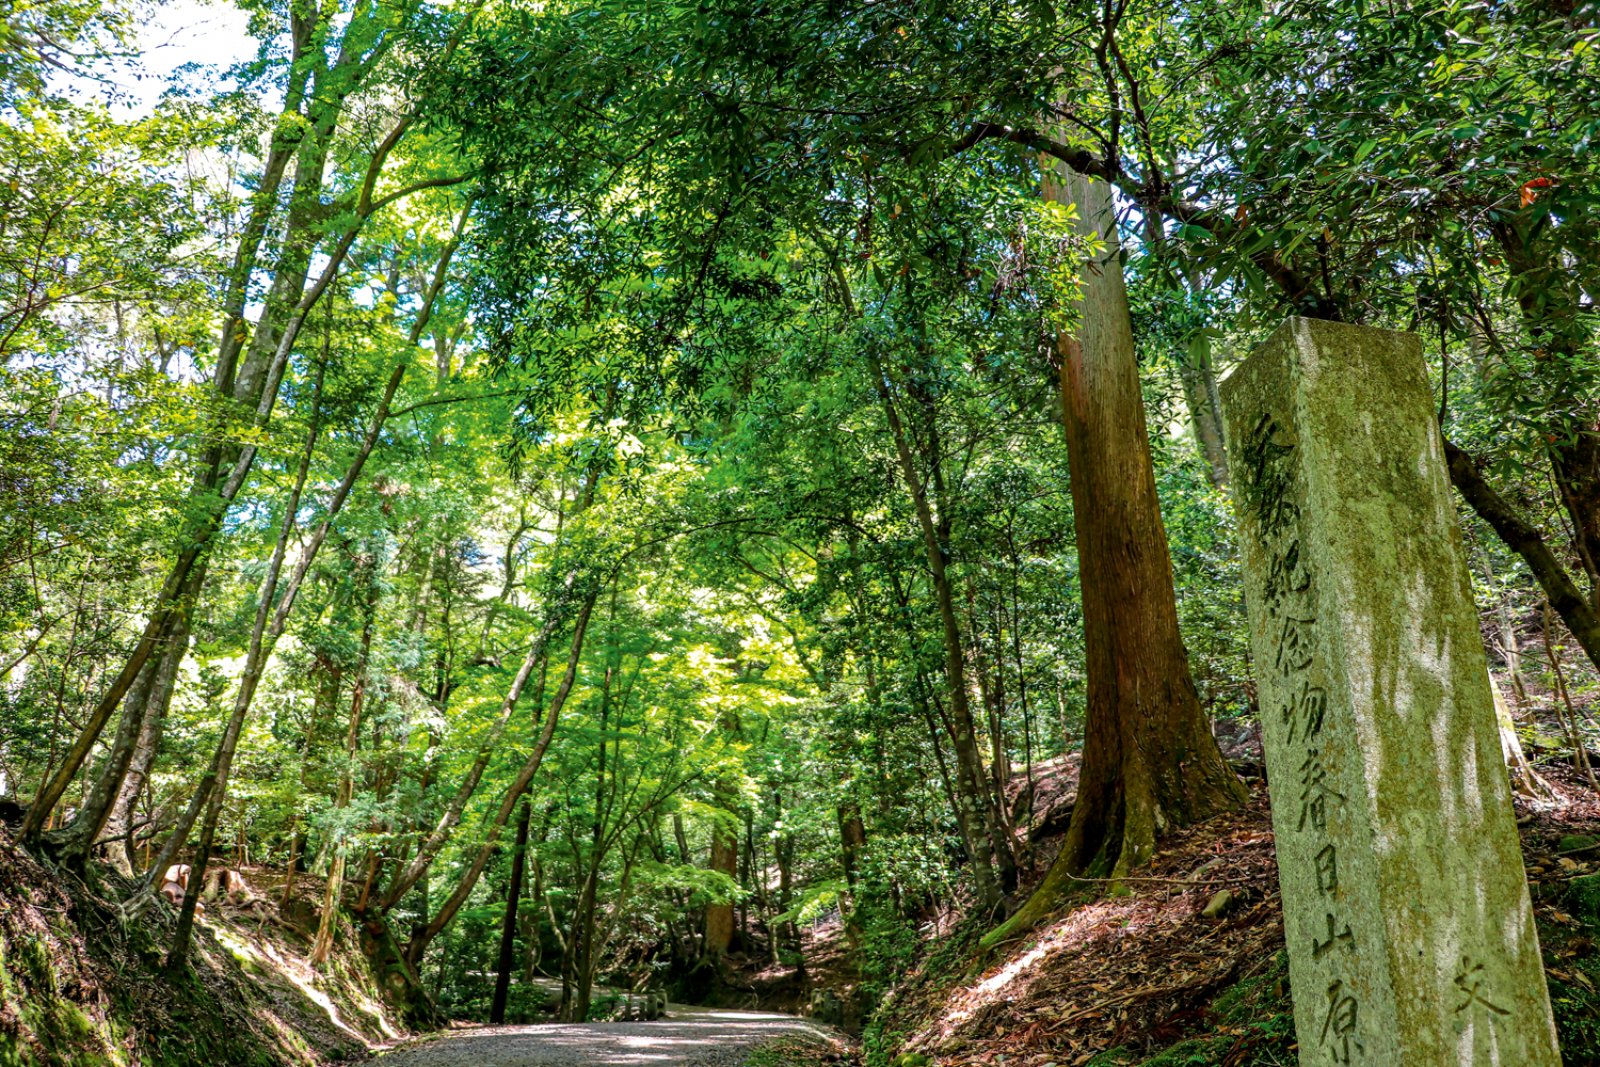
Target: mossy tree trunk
(724, 860)
(397, 979)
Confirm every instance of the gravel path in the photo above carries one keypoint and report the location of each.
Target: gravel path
(688, 1037)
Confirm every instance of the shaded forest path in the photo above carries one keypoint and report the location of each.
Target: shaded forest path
(689, 1037)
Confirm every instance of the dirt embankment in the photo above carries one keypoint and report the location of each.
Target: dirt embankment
(80, 986)
(1188, 967)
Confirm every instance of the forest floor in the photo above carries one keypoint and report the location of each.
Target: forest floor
(688, 1037)
(1146, 979)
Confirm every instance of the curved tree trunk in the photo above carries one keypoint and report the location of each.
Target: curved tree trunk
(126, 767)
(1150, 764)
(469, 878)
(1562, 593)
(145, 749)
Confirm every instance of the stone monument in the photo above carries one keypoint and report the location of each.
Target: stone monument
(1410, 933)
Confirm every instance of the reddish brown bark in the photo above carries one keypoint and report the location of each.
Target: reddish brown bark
(1150, 764)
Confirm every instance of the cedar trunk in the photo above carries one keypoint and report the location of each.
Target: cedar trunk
(1205, 409)
(1150, 763)
(719, 917)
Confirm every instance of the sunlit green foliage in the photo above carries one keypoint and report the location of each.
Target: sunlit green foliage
(607, 313)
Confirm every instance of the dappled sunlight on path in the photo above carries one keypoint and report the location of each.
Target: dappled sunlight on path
(689, 1036)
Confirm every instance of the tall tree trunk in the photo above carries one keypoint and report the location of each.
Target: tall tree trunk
(1150, 764)
(529, 922)
(991, 853)
(262, 640)
(787, 933)
(435, 840)
(469, 878)
(326, 701)
(1029, 791)
(990, 673)
(852, 840)
(930, 719)
(328, 924)
(1505, 624)
(585, 950)
(1525, 780)
(215, 499)
(972, 835)
(1565, 711)
(724, 860)
(747, 876)
(1205, 409)
(680, 838)
(508, 924)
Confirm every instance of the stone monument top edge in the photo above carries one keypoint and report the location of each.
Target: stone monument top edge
(1294, 327)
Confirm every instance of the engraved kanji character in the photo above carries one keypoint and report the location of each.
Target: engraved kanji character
(1339, 1025)
(1269, 486)
(1315, 792)
(1469, 983)
(1296, 643)
(1286, 575)
(1307, 708)
(1327, 869)
(1336, 937)
(1313, 705)
(1290, 722)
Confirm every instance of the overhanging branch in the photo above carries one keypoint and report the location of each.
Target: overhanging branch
(1297, 289)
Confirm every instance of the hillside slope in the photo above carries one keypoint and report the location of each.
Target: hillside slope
(1149, 979)
(79, 987)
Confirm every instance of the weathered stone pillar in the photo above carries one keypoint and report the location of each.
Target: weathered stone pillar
(1411, 936)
